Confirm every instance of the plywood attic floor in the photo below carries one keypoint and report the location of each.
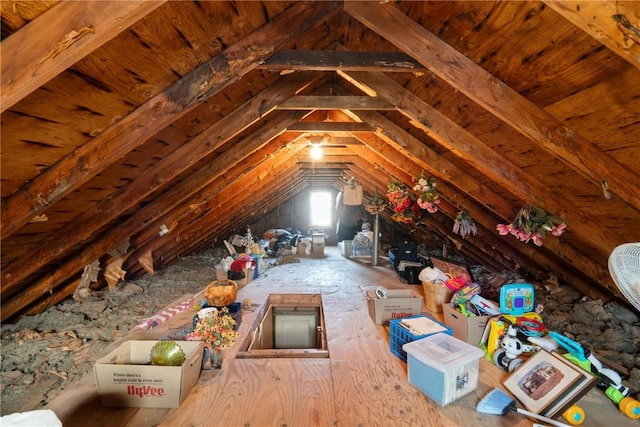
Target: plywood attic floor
(361, 384)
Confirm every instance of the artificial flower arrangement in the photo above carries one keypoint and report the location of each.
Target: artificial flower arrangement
(216, 329)
(376, 205)
(464, 225)
(403, 203)
(428, 198)
(532, 223)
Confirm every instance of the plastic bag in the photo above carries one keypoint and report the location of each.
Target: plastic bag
(431, 274)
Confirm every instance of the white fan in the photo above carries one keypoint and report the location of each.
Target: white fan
(624, 266)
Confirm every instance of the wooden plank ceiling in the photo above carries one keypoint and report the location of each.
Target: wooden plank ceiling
(118, 117)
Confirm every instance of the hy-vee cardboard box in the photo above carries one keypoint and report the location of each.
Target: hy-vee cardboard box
(126, 378)
(396, 304)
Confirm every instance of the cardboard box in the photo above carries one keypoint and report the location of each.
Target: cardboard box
(317, 245)
(248, 277)
(465, 328)
(443, 367)
(317, 250)
(126, 378)
(399, 303)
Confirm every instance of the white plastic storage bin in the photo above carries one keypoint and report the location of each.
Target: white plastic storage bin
(443, 367)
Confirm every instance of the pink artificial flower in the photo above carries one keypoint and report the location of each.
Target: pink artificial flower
(503, 229)
(428, 206)
(558, 229)
(521, 234)
(537, 239)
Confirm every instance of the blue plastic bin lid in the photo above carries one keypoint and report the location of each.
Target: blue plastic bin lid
(442, 352)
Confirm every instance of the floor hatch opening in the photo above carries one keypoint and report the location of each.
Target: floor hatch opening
(292, 326)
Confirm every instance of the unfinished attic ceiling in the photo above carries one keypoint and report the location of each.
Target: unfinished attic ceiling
(118, 117)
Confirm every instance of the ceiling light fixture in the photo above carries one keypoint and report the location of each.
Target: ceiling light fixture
(316, 151)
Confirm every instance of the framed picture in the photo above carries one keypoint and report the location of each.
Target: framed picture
(452, 267)
(541, 380)
(578, 389)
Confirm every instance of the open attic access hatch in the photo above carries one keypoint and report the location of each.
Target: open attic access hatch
(292, 326)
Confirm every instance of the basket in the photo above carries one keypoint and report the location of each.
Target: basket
(436, 294)
(220, 293)
(399, 336)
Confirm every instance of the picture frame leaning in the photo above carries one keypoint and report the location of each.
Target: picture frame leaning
(542, 380)
(578, 389)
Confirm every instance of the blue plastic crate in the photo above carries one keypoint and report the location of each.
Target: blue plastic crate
(399, 336)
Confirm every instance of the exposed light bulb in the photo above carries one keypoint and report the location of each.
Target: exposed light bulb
(316, 151)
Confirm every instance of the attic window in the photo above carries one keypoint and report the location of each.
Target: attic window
(320, 208)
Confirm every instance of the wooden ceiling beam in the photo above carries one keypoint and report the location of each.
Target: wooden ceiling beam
(498, 98)
(246, 210)
(265, 168)
(175, 248)
(239, 213)
(332, 60)
(199, 201)
(399, 144)
(330, 127)
(174, 102)
(73, 30)
(614, 24)
(391, 169)
(403, 172)
(334, 140)
(301, 102)
(229, 204)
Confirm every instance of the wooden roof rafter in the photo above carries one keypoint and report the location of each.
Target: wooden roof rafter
(607, 22)
(161, 172)
(498, 98)
(74, 29)
(160, 111)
